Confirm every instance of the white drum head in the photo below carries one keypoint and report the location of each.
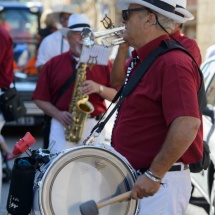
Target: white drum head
(82, 174)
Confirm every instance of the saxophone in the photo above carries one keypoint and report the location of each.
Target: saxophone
(79, 107)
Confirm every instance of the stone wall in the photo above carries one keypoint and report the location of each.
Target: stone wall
(205, 24)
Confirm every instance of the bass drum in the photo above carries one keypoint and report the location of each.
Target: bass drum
(81, 174)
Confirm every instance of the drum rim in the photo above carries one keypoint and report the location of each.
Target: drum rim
(125, 163)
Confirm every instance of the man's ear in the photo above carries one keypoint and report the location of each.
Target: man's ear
(151, 21)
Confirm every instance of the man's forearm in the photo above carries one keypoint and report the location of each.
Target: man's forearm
(108, 93)
(118, 69)
(47, 107)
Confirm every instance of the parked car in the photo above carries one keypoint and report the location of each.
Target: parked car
(205, 181)
(25, 85)
(22, 21)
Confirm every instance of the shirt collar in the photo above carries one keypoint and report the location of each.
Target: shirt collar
(176, 34)
(144, 51)
(76, 58)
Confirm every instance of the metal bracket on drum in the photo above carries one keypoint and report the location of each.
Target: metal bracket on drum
(91, 138)
(97, 129)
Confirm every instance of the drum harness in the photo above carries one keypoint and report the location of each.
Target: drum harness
(125, 90)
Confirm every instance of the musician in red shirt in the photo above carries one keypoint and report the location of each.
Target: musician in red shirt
(159, 126)
(53, 77)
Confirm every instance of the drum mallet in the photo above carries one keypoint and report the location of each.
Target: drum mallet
(91, 208)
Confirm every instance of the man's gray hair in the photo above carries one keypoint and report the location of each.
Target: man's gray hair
(166, 22)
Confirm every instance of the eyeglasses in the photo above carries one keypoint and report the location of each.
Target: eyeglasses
(76, 33)
(126, 13)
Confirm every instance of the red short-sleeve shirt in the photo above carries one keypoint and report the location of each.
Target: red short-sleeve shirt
(6, 59)
(189, 44)
(167, 91)
(54, 75)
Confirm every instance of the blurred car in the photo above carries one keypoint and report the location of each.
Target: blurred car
(22, 21)
(25, 85)
(205, 181)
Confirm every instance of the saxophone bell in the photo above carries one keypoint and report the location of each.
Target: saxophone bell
(85, 106)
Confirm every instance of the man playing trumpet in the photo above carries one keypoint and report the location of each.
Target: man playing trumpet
(159, 125)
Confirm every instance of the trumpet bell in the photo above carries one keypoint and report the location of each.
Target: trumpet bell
(88, 37)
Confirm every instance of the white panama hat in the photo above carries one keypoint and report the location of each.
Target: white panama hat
(65, 8)
(57, 9)
(181, 8)
(77, 22)
(164, 7)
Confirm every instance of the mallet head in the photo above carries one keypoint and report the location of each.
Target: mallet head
(89, 208)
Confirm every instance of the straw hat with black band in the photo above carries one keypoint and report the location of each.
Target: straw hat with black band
(64, 8)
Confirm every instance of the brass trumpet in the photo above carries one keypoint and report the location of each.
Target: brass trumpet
(88, 36)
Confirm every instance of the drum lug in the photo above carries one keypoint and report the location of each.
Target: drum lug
(134, 172)
(102, 146)
(38, 184)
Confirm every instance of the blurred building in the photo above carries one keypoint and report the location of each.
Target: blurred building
(202, 28)
(190, 27)
(206, 25)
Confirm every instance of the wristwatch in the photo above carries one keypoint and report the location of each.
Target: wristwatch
(101, 89)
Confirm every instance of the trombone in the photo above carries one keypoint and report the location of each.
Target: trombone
(89, 37)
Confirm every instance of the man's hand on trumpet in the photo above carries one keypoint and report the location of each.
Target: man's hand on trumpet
(118, 73)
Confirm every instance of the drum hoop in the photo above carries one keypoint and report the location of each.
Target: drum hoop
(101, 148)
(58, 159)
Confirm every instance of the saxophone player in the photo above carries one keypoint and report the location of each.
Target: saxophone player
(53, 77)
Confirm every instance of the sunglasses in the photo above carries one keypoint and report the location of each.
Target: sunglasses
(126, 13)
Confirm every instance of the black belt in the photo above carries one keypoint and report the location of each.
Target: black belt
(96, 117)
(172, 169)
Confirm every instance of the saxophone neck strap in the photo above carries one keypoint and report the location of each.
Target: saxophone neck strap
(68, 82)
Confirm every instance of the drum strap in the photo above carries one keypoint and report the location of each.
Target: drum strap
(165, 46)
(68, 82)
